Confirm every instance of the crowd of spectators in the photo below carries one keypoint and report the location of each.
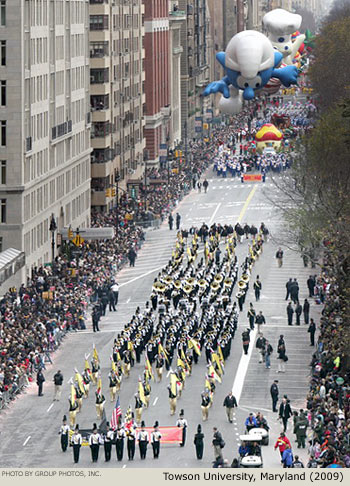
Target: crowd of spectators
(328, 400)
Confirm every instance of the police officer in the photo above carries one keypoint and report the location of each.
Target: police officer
(108, 439)
(155, 440)
(274, 391)
(300, 430)
(64, 433)
(246, 340)
(251, 314)
(76, 442)
(143, 439)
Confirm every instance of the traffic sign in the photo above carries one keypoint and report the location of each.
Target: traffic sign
(78, 240)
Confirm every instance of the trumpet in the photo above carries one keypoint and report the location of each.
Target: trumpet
(242, 285)
(218, 278)
(228, 282)
(187, 289)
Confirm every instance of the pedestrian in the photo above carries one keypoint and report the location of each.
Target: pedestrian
(311, 283)
(290, 312)
(199, 186)
(288, 286)
(95, 316)
(259, 321)
(58, 381)
(170, 221)
(297, 463)
(131, 441)
(230, 403)
(285, 412)
(287, 458)
(218, 443)
(119, 436)
(282, 357)
(76, 441)
(257, 288)
(246, 340)
(260, 346)
(306, 311)
(217, 256)
(111, 301)
(107, 442)
(155, 440)
(115, 290)
(294, 291)
(205, 185)
(251, 314)
(178, 221)
(312, 331)
(64, 433)
(274, 392)
(205, 404)
(182, 422)
(40, 378)
(94, 443)
(143, 439)
(282, 443)
(132, 257)
(279, 257)
(250, 422)
(298, 312)
(268, 351)
(199, 442)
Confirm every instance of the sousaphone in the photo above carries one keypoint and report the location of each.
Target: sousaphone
(228, 282)
(242, 285)
(218, 278)
(187, 289)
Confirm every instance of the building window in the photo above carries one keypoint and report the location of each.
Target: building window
(98, 22)
(3, 93)
(2, 12)
(3, 133)
(3, 52)
(2, 171)
(3, 211)
(1, 240)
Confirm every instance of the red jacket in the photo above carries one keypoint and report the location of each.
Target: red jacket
(283, 443)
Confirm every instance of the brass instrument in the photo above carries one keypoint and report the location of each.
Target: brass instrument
(188, 289)
(245, 277)
(177, 284)
(242, 285)
(191, 281)
(168, 280)
(202, 283)
(228, 282)
(215, 286)
(159, 287)
(218, 278)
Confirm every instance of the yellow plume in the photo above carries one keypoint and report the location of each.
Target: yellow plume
(95, 355)
(72, 395)
(79, 379)
(173, 384)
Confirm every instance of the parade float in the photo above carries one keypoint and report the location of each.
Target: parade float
(268, 136)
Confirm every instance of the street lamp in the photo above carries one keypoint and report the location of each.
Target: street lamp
(145, 158)
(53, 228)
(116, 180)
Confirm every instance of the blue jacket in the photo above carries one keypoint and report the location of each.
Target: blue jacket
(253, 422)
(287, 457)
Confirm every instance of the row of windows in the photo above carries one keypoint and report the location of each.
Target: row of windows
(39, 199)
(37, 237)
(40, 126)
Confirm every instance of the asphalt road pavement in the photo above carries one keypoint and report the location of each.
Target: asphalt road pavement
(29, 428)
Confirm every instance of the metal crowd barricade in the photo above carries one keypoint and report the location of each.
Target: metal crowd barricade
(149, 224)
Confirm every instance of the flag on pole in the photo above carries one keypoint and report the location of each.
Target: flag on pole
(193, 344)
(79, 380)
(117, 412)
(72, 394)
(95, 355)
(148, 367)
(142, 392)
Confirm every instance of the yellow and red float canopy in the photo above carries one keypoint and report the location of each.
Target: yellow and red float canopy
(268, 132)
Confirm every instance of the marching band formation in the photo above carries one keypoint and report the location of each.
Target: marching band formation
(191, 311)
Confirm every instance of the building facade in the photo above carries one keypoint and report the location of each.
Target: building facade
(117, 97)
(45, 123)
(157, 70)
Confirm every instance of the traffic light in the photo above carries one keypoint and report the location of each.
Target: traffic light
(108, 192)
(114, 192)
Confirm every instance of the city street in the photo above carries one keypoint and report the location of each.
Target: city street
(29, 428)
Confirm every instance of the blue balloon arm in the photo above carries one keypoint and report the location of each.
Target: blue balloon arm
(221, 86)
(287, 75)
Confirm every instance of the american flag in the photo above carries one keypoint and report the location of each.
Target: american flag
(117, 412)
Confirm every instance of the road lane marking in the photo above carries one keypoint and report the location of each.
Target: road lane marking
(246, 204)
(168, 373)
(214, 213)
(128, 300)
(50, 407)
(26, 441)
(124, 466)
(155, 401)
(141, 276)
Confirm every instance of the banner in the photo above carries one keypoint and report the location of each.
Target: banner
(170, 434)
(252, 177)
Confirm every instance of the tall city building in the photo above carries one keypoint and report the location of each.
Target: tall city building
(117, 98)
(45, 123)
(157, 70)
(195, 72)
